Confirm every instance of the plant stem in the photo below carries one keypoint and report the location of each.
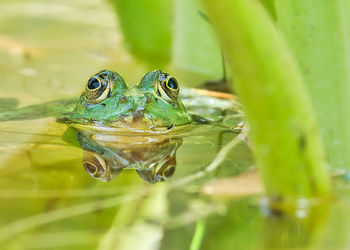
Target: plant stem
(198, 235)
(283, 129)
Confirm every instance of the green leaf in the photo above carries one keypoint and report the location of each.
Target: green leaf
(319, 35)
(146, 26)
(195, 47)
(270, 7)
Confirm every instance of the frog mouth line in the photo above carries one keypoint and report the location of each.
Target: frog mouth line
(137, 119)
(118, 128)
(135, 122)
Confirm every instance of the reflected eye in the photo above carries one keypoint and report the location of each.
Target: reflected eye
(168, 87)
(95, 168)
(168, 172)
(95, 165)
(91, 168)
(167, 169)
(98, 88)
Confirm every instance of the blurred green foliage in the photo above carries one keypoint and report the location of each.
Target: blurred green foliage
(147, 29)
(282, 124)
(318, 33)
(170, 32)
(196, 47)
(270, 7)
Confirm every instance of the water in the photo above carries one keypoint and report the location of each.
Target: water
(212, 198)
(45, 189)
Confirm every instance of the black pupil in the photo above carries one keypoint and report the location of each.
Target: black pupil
(169, 172)
(93, 83)
(90, 168)
(172, 83)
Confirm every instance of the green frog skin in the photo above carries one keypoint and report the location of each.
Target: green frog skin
(109, 102)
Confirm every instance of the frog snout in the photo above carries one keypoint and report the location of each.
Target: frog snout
(138, 114)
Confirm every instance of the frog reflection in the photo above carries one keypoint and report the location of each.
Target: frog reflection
(98, 167)
(105, 157)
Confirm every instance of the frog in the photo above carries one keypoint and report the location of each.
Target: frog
(108, 113)
(108, 102)
(154, 105)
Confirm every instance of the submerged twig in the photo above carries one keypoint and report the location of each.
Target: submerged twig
(220, 157)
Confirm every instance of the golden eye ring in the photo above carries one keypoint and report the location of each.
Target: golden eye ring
(91, 168)
(168, 87)
(94, 164)
(167, 172)
(91, 86)
(172, 84)
(98, 88)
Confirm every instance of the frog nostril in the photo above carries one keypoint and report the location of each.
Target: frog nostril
(123, 100)
(138, 115)
(139, 109)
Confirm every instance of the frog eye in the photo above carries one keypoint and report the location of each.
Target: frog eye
(166, 172)
(94, 84)
(95, 166)
(172, 84)
(168, 87)
(98, 88)
(167, 169)
(91, 168)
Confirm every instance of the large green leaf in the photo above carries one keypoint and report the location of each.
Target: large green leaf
(270, 6)
(146, 26)
(176, 31)
(319, 35)
(195, 47)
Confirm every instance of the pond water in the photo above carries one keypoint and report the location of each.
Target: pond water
(205, 195)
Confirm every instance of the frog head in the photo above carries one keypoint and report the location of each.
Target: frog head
(109, 102)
